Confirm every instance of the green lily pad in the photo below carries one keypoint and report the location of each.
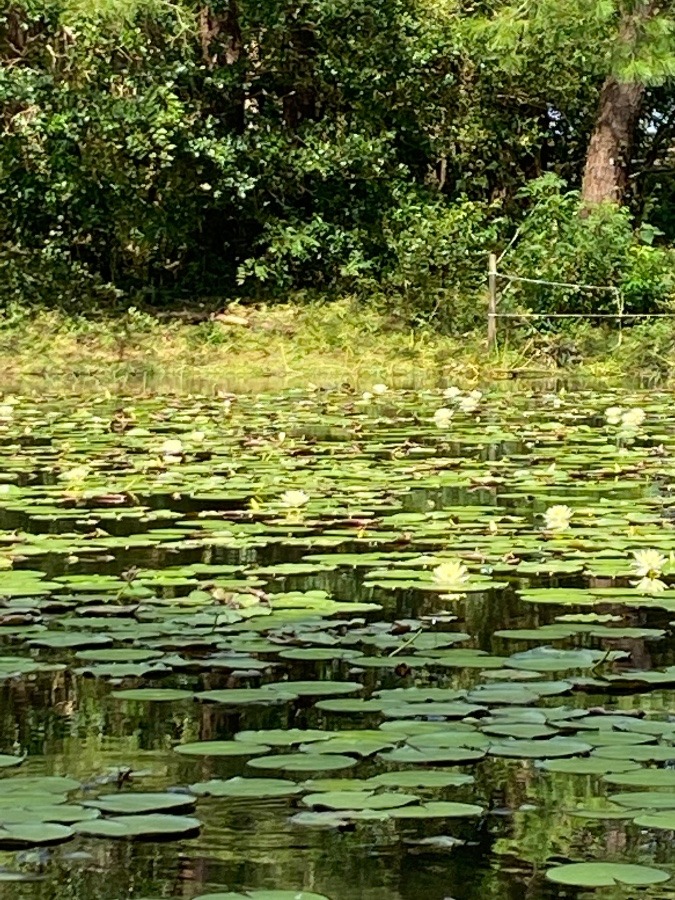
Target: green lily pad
(348, 800)
(438, 809)
(141, 803)
(303, 762)
(153, 695)
(544, 749)
(646, 800)
(221, 748)
(606, 874)
(33, 835)
(246, 788)
(646, 778)
(247, 696)
(140, 827)
(412, 778)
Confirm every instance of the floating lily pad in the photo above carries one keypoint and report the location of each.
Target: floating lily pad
(438, 809)
(246, 788)
(248, 696)
(348, 800)
(646, 800)
(606, 874)
(303, 762)
(33, 835)
(544, 749)
(153, 695)
(140, 827)
(221, 748)
(647, 778)
(141, 803)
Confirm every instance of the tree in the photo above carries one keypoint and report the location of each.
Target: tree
(612, 48)
(642, 57)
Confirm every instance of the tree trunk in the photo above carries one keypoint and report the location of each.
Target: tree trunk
(609, 152)
(611, 146)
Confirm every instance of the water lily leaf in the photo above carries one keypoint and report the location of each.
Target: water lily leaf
(9, 761)
(548, 659)
(446, 739)
(317, 654)
(544, 749)
(281, 737)
(423, 778)
(637, 753)
(356, 800)
(588, 766)
(645, 800)
(221, 748)
(118, 655)
(518, 730)
(140, 827)
(63, 814)
(438, 809)
(263, 895)
(316, 688)
(153, 695)
(457, 710)
(246, 788)
(605, 874)
(354, 705)
(647, 778)
(28, 785)
(354, 745)
(303, 762)
(33, 835)
(423, 755)
(70, 640)
(140, 803)
(247, 696)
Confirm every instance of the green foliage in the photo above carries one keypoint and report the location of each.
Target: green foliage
(559, 241)
(157, 152)
(436, 259)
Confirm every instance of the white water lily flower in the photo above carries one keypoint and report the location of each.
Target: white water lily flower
(171, 448)
(443, 417)
(633, 418)
(367, 396)
(294, 499)
(452, 392)
(648, 585)
(79, 473)
(380, 388)
(648, 563)
(557, 518)
(468, 404)
(450, 575)
(613, 415)
(197, 436)
(6, 411)
(476, 395)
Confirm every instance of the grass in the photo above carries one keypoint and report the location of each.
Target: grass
(284, 346)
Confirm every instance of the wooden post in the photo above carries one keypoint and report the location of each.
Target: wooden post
(492, 303)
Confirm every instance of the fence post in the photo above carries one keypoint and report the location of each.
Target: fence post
(492, 303)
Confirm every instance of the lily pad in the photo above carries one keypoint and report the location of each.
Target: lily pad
(140, 827)
(141, 803)
(606, 874)
(221, 748)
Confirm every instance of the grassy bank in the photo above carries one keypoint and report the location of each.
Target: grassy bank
(286, 346)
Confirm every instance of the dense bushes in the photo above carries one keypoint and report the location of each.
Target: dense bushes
(164, 152)
(559, 241)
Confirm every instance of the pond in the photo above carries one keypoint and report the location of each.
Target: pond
(325, 644)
